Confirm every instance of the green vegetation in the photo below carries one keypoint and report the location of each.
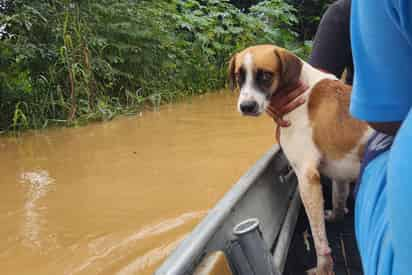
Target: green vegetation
(66, 62)
(309, 14)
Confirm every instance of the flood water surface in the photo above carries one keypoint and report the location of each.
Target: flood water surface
(117, 197)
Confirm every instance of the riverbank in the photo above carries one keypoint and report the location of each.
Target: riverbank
(67, 63)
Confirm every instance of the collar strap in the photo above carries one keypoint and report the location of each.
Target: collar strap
(289, 88)
(278, 134)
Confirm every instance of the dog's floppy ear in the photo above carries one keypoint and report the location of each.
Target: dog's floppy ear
(231, 73)
(291, 67)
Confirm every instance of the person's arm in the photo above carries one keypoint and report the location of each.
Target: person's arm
(331, 47)
(400, 13)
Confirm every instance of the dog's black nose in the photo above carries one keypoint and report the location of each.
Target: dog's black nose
(249, 107)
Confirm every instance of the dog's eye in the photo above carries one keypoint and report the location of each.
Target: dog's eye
(241, 77)
(265, 76)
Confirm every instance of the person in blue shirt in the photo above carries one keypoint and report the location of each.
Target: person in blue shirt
(381, 35)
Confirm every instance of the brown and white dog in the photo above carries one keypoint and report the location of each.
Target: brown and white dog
(323, 137)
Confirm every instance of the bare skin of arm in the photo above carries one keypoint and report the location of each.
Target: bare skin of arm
(389, 128)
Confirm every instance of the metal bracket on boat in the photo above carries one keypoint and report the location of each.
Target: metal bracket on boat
(286, 174)
(249, 253)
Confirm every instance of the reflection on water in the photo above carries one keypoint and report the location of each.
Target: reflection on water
(37, 184)
(117, 197)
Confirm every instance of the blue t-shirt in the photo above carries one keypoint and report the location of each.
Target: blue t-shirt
(381, 35)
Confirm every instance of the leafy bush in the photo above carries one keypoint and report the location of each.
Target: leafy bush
(309, 14)
(67, 62)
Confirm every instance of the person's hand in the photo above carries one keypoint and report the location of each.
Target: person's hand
(285, 101)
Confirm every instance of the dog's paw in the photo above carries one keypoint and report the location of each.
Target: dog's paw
(325, 265)
(335, 215)
(311, 271)
(314, 271)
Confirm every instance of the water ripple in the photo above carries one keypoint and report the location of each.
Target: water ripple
(145, 232)
(150, 258)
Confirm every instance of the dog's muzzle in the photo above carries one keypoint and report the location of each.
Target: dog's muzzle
(249, 107)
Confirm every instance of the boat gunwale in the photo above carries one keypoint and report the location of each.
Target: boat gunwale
(188, 252)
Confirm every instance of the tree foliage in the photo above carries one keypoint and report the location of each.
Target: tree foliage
(309, 14)
(66, 61)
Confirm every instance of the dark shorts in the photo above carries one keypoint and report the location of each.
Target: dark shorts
(377, 144)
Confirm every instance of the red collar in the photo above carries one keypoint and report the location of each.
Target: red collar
(288, 89)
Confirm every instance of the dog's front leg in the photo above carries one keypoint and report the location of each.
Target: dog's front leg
(311, 193)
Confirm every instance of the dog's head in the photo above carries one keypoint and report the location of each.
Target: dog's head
(259, 72)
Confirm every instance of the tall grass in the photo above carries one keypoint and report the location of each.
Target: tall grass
(67, 62)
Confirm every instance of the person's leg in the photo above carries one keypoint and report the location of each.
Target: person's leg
(371, 223)
(400, 197)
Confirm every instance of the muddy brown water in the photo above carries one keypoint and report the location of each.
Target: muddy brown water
(117, 197)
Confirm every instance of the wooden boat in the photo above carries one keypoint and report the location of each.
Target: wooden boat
(259, 228)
